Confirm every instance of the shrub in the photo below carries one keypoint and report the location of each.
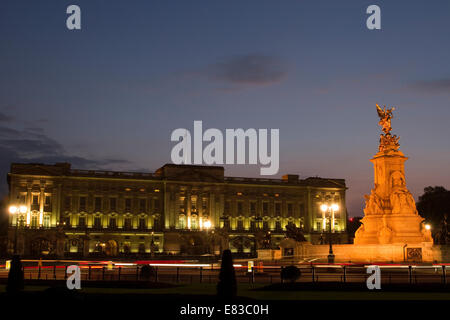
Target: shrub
(15, 276)
(227, 288)
(147, 272)
(290, 273)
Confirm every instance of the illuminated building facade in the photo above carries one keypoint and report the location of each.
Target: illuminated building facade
(179, 209)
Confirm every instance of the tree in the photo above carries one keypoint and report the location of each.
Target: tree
(227, 287)
(352, 225)
(434, 205)
(294, 233)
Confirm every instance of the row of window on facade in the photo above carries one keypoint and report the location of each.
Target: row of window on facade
(112, 223)
(35, 201)
(265, 208)
(33, 220)
(99, 204)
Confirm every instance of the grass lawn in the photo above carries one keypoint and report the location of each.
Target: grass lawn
(248, 291)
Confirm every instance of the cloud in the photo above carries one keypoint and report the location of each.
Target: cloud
(34, 146)
(5, 117)
(432, 86)
(254, 69)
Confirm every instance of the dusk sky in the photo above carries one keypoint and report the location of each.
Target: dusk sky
(109, 95)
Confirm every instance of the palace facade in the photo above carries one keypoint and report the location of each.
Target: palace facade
(177, 210)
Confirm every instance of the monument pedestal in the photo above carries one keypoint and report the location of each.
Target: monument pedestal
(392, 229)
(390, 214)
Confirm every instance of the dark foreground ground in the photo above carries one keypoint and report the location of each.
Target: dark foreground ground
(169, 301)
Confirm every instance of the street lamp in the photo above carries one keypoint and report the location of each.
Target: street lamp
(331, 209)
(207, 226)
(14, 210)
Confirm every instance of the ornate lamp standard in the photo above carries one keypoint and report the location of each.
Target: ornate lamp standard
(14, 210)
(207, 226)
(331, 209)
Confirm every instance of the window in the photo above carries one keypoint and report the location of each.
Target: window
(82, 203)
(253, 225)
(67, 203)
(278, 209)
(194, 222)
(227, 207)
(226, 222)
(97, 222)
(82, 221)
(266, 225)
(98, 204)
(289, 209)
(142, 205)
(127, 223)
(113, 204)
(253, 208)
(193, 203)
(48, 203)
(265, 208)
(46, 221)
(35, 199)
(240, 225)
(182, 222)
(22, 199)
(182, 204)
(128, 205)
(34, 221)
(157, 223)
(278, 225)
(142, 224)
(156, 204)
(112, 222)
(240, 210)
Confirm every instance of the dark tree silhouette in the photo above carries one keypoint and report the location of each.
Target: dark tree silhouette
(227, 288)
(434, 205)
(352, 225)
(294, 233)
(15, 276)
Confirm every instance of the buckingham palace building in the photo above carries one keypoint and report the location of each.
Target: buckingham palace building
(57, 211)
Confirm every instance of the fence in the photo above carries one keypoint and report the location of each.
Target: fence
(209, 274)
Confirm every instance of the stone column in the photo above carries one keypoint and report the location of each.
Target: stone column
(212, 210)
(309, 214)
(188, 207)
(41, 204)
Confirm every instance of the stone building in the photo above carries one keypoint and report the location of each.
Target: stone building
(179, 209)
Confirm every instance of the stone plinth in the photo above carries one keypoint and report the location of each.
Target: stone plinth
(390, 214)
(364, 253)
(392, 229)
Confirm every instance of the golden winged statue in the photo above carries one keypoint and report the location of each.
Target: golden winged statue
(385, 118)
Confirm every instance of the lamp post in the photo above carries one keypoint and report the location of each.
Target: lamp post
(15, 210)
(207, 226)
(331, 209)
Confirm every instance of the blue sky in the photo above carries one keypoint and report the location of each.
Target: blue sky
(109, 95)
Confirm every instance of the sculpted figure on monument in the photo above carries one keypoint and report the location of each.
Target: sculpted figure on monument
(385, 118)
(373, 204)
(385, 235)
(401, 199)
